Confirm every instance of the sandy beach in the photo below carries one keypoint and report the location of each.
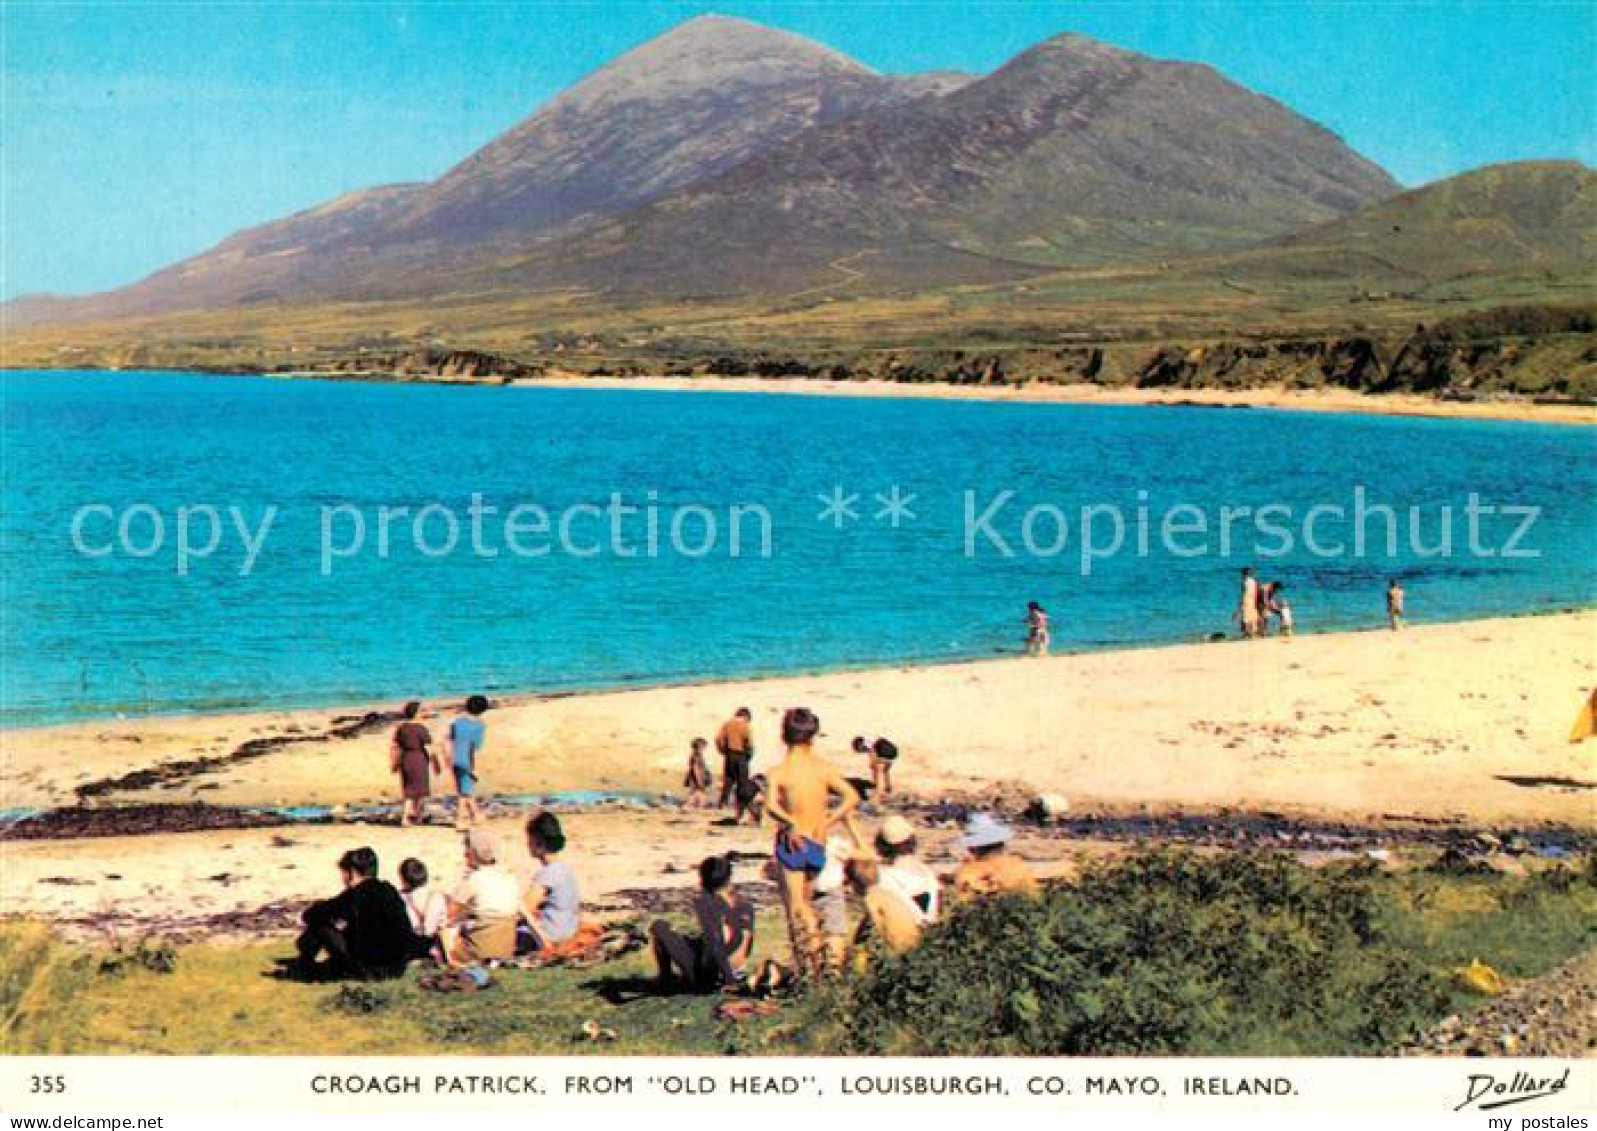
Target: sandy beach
(1430, 723)
(1304, 400)
(1461, 725)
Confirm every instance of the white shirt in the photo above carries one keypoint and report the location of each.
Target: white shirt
(490, 892)
(427, 908)
(911, 878)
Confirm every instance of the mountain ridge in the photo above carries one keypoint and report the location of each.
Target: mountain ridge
(732, 161)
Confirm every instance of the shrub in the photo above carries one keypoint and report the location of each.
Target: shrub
(1167, 952)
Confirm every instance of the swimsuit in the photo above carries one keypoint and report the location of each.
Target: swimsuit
(800, 853)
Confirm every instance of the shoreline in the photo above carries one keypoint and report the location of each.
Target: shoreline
(353, 709)
(1365, 744)
(1276, 397)
(1464, 722)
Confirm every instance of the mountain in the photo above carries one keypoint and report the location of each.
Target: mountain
(727, 158)
(1525, 215)
(691, 104)
(1530, 220)
(694, 102)
(1073, 153)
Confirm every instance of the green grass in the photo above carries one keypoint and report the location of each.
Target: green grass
(1169, 952)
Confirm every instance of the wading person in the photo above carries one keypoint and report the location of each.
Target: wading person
(363, 932)
(1248, 604)
(465, 740)
(1282, 608)
(410, 756)
(717, 957)
(1036, 629)
(735, 742)
(800, 799)
(1394, 604)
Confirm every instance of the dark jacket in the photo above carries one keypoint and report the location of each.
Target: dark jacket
(371, 917)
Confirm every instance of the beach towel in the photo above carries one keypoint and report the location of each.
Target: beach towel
(592, 944)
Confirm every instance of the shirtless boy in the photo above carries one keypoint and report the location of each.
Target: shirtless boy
(799, 799)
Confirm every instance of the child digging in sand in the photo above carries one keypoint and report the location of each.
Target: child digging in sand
(800, 801)
(697, 780)
(882, 754)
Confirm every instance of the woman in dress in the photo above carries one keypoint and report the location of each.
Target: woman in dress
(410, 756)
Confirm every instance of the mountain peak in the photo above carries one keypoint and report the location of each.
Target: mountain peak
(709, 51)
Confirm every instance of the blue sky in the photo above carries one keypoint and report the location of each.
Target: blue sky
(135, 134)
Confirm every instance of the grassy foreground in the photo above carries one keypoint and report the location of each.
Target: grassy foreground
(1165, 952)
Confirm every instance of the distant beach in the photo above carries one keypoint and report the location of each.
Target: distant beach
(1297, 400)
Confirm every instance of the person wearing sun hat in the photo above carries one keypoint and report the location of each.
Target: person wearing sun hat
(992, 869)
(905, 872)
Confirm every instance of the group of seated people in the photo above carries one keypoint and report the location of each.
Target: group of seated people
(371, 930)
(898, 896)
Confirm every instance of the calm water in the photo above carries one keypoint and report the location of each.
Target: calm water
(96, 636)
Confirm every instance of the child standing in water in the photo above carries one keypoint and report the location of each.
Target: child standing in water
(1036, 629)
(1248, 604)
(1282, 608)
(1394, 604)
(697, 780)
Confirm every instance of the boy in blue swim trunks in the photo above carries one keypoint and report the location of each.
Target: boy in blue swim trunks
(466, 736)
(799, 799)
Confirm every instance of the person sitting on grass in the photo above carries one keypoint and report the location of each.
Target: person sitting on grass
(697, 780)
(888, 916)
(427, 907)
(717, 957)
(363, 932)
(483, 908)
(992, 869)
(553, 904)
(906, 873)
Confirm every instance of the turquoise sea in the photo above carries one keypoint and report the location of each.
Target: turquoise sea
(101, 631)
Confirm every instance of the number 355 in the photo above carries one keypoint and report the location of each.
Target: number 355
(48, 1085)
